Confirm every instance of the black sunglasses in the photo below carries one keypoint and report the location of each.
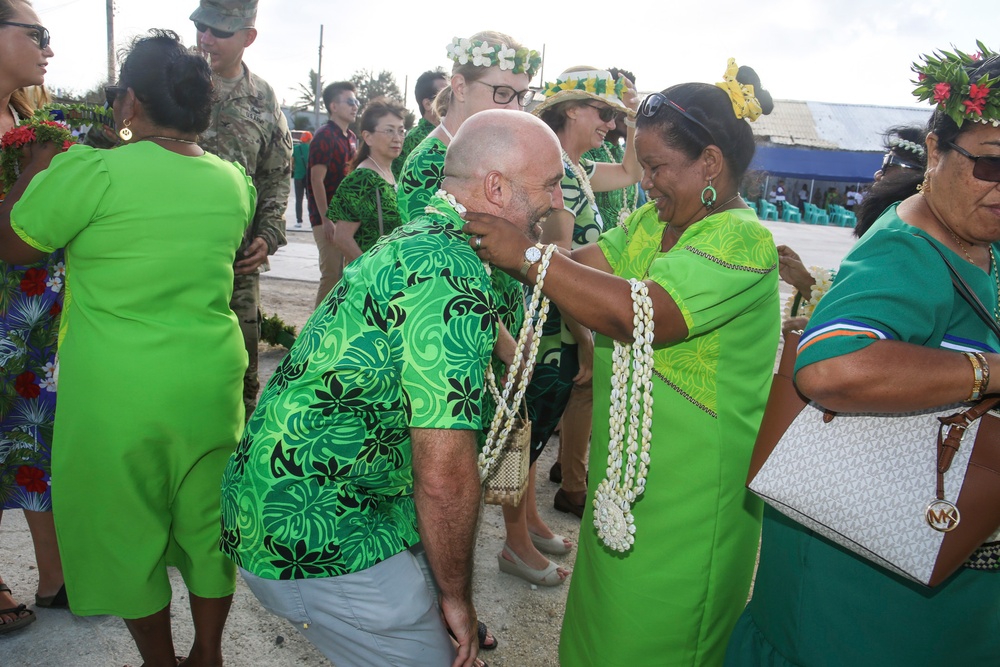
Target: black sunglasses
(41, 38)
(504, 94)
(219, 34)
(985, 167)
(652, 105)
(605, 113)
(892, 160)
(111, 94)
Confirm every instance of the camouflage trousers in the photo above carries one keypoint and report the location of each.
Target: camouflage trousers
(246, 305)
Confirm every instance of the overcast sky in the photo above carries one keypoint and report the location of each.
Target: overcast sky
(846, 51)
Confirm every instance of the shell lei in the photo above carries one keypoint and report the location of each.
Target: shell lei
(581, 177)
(506, 411)
(616, 493)
(822, 280)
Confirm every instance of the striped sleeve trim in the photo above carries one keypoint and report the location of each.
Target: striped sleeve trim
(965, 345)
(837, 328)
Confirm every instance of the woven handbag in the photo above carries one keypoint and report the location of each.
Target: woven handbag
(508, 478)
(915, 493)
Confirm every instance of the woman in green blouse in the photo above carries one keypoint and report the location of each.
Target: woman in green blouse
(364, 206)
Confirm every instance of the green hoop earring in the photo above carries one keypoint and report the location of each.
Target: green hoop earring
(709, 200)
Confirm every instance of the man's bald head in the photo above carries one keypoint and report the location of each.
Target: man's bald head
(511, 143)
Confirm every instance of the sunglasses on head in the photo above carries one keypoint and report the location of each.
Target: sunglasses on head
(41, 35)
(984, 167)
(219, 34)
(111, 94)
(892, 160)
(605, 113)
(652, 105)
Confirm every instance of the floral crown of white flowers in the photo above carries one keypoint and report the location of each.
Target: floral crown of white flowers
(944, 77)
(481, 54)
(907, 145)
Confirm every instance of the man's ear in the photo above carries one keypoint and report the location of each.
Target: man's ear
(495, 189)
(251, 37)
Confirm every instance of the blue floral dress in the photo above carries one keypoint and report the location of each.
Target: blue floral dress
(31, 301)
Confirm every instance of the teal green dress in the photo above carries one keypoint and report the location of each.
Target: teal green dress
(673, 599)
(818, 605)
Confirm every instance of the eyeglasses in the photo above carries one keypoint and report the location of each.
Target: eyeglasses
(218, 34)
(111, 94)
(350, 101)
(985, 167)
(504, 94)
(652, 105)
(391, 132)
(605, 113)
(41, 35)
(893, 160)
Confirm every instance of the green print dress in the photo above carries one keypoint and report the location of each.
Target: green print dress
(674, 598)
(359, 198)
(322, 481)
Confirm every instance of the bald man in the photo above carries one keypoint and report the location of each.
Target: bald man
(361, 456)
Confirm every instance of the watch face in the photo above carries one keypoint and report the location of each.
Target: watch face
(532, 254)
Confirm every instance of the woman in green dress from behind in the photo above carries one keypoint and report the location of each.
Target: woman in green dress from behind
(151, 356)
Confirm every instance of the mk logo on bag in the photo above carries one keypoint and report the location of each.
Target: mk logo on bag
(942, 516)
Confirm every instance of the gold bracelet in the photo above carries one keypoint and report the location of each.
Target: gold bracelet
(977, 382)
(986, 372)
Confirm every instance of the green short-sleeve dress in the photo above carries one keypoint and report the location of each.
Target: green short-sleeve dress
(359, 198)
(818, 605)
(673, 599)
(151, 367)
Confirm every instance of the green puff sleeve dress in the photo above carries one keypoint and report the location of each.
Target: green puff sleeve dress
(673, 599)
(151, 367)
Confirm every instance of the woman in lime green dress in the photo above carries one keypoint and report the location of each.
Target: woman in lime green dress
(710, 268)
(151, 356)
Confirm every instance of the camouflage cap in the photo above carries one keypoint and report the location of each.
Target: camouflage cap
(228, 15)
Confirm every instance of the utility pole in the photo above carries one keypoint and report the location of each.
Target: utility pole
(111, 42)
(319, 76)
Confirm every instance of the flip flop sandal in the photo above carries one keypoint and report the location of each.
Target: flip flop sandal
(20, 621)
(483, 632)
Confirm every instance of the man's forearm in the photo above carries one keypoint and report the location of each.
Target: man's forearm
(447, 492)
(317, 178)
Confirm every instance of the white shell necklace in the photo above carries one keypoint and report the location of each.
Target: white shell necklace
(505, 415)
(581, 176)
(615, 493)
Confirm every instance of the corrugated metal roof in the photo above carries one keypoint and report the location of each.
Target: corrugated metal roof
(849, 127)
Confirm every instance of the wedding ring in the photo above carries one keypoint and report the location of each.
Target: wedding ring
(479, 242)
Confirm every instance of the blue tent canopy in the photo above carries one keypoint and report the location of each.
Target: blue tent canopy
(805, 163)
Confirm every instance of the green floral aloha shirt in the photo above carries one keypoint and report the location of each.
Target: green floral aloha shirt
(421, 178)
(412, 140)
(321, 483)
(355, 200)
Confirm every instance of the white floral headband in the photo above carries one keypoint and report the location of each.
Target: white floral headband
(906, 145)
(481, 54)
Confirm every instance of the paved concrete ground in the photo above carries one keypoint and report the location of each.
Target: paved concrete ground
(254, 637)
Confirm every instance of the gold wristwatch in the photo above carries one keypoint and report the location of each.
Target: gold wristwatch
(532, 256)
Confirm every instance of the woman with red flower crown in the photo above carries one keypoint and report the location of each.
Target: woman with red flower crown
(30, 303)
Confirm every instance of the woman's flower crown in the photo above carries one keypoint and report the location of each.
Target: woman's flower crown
(481, 54)
(37, 128)
(594, 85)
(944, 78)
(907, 145)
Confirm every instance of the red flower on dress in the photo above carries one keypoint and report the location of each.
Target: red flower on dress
(942, 91)
(33, 283)
(26, 386)
(31, 479)
(55, 309)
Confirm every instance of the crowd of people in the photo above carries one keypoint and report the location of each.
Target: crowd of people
(348, 497)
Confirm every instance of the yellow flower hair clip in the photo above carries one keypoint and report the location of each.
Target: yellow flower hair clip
(744, 98)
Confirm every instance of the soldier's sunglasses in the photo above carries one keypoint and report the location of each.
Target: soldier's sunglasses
(219, 34)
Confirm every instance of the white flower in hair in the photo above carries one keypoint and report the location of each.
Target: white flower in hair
(481, 55)
(506, 57)
(459, 50)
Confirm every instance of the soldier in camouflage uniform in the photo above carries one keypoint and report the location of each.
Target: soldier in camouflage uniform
(247, 127)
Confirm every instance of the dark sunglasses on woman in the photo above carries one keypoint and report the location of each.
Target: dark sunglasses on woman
(984, 167)
(111, 94)
(40, 35)
(605, 113)
(652, 105)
